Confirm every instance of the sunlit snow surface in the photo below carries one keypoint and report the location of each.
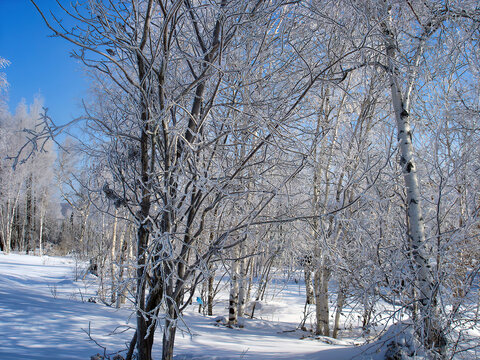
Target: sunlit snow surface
(44, 312)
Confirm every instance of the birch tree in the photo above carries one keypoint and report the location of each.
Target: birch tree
(404, 59)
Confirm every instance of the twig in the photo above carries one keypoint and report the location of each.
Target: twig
(95, 341)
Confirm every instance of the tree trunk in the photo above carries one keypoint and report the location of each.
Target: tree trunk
(251, 269)
(122, 288)
(147, 150)
(83, 229)
(211, 293)
(9, 213)
(431, 330)
(321, 278)
(338, 313)
(113, 251)
(242, 291)
(29, 217)
(309, 285)
(233, 301)
(40, 235)
(143, 348)
(169, 334)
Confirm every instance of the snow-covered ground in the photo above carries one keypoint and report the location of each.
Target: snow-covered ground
(42, 313)
(45, 314)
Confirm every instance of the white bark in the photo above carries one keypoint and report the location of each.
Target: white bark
(242, 281)
(40, 235)
(233, 300)
(113, 260)
(426, 301)
(338, 312)
(321, 278)
(309, 285)
(7, 217)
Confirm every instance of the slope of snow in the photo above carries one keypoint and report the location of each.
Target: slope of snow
(42, 314)
(45, 315)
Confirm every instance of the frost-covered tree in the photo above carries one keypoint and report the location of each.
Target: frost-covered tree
(26, 188)
(169, 73)
(405, 34)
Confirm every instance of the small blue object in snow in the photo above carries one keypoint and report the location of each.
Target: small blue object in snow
(199, 300)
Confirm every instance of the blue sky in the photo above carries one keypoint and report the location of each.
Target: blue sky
(40, 65)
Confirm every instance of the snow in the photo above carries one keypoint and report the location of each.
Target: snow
(45, 314)
(42, 314)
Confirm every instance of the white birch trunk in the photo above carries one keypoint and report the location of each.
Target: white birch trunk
(431, 328)
(338, 312)
(242, 291)
(309, 285)
(113, 251)
(321, 278)
(7, 218)
(320, 261)
(40, 235)
(123, 265)
(250, 270)
(233, 300)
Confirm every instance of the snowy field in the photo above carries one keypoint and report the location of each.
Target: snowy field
(45, 314)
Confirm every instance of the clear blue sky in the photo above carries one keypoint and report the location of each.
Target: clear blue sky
(39, 64)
